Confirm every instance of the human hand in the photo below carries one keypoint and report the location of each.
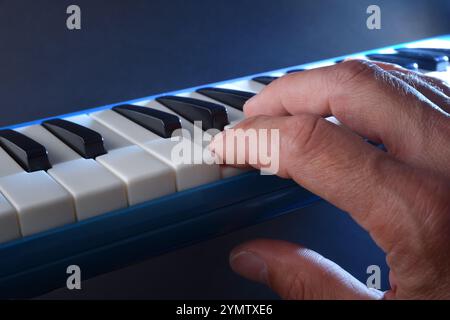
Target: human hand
(401, 197)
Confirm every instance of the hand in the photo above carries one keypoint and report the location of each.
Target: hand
(401, 197)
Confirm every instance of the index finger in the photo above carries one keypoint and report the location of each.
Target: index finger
(334, 163)
(366, 99)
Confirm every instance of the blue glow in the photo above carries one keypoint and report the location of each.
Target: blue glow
(152, 97)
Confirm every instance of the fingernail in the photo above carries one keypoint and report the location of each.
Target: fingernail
(249, 265)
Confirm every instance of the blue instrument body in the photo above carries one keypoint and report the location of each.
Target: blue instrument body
(37, 264)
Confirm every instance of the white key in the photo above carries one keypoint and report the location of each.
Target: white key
(9, 224)
(188, 175)
(234, 117)
(445, 76)
(431, 43)
(94, 189)
(334, 120)
(225, 171)
(58, 152)
(39, 202)
(243, 85)
(111, 141)
(185, 124)
(276, 74)
(7, 165)
(124, 127)
(145, 176)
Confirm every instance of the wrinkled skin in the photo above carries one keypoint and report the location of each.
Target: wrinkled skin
(401, 196)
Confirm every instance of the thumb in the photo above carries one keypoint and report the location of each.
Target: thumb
(295, 272)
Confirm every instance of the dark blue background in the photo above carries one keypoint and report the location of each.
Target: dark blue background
(132, 48)
(129, 49)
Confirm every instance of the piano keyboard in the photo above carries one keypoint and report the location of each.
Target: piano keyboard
(100, 189)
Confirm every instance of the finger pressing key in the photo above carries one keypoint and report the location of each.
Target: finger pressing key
(368, 100)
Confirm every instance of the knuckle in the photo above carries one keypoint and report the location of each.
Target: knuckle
(355, 70)
(284, 82)
(400, 75)
(301, 135)
(278, 83)
(348, 85)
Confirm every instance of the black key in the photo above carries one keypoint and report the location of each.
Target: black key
(426, 60)
(445, 52)
(85, 141)
(265, 80)
(159, 122)
(407, 63)
(233, 98)
(296, 70)
(212, 115)
(31, 155)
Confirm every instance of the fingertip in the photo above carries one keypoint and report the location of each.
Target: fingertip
(267, 249)
(251, 259)
(295, 272)
(248, 106)
(249, 265)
